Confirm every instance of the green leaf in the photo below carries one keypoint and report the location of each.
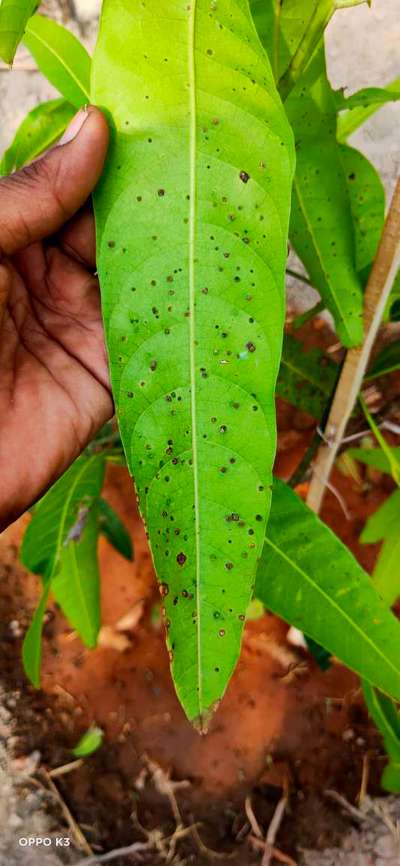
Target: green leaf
(60, 544)
(387, 719)
(89, 743)
(351, 119)
(306, 378)
(192, 219)
(56, 517)
(384, 525)
(40, 129)
(365, 98)
(114, 531)
(14, 15)
(367, 202)
(281, 27)
(75, 584)
(375, 457)
(61, 58)
(321, 222)
(388, 361)
(310, 579)
(32, 645)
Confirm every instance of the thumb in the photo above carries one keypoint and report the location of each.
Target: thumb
(39, 199)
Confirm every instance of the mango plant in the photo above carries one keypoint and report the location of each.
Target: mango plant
(226, 140)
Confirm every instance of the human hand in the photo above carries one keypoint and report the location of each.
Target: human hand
(54, 384)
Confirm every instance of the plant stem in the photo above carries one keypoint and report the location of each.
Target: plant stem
(303, 318)
(298, 276)
(379, 285)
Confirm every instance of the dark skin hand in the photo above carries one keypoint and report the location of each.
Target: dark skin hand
(54, 384)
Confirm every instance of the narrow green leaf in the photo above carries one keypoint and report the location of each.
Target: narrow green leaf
(388, 361)
(76, 583)
(387, 719)
(281, 27)
(61, 58)
(376, 458)
(60, 544)
(192, 217)
(350, 120)
(114, 531)
(89, 743)
(40, 129)
(306, 378)
(308, 577)
(365, 98)
(321, 229)
(32, 645)
(367, 203)
(56, 517)
(384, 525)
(14, 15)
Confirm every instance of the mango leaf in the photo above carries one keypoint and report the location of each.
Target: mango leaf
(32, 645)
(61, 58)
(387, 719)
(321, 228)
(14, 15)
(367, 204)
(384, 525)
(308, 577)
(40, 129)
(306, 378)
(192, 216)
(376, 458)
(113, 529)
(281, 27)
(60, 544)
(89, 743)
(388, 361)
(365, 98)
(75, 584)
(372, 99)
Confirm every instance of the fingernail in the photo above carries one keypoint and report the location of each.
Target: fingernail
(74, 127)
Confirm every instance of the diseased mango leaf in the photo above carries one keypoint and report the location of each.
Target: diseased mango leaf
(367, 203)
(310, 579)
(192, 216)
(114, 530)
(321, 229)
(281, 27)
(365, 98)
(40, 129)
(351, 119)
(62, 59)
(14, 15)
(60, 544)
(89, 742)
(306, 378)
(388, 361)
(387, 719)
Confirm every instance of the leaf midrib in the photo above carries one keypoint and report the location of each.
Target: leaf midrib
(192, 321)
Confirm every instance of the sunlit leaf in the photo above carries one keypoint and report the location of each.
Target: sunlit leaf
(14, 15)
(350, 120)
(387, 720)
(192, 217)
(384, 525)
(322, 231)
(89, 743)
(40, 129)
(310, 579)
(367, 203)
(61, 58)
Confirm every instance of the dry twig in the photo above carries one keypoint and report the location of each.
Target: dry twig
(379, 285)
(72, 824)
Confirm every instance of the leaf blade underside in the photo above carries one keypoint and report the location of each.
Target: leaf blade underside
(192, 219)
